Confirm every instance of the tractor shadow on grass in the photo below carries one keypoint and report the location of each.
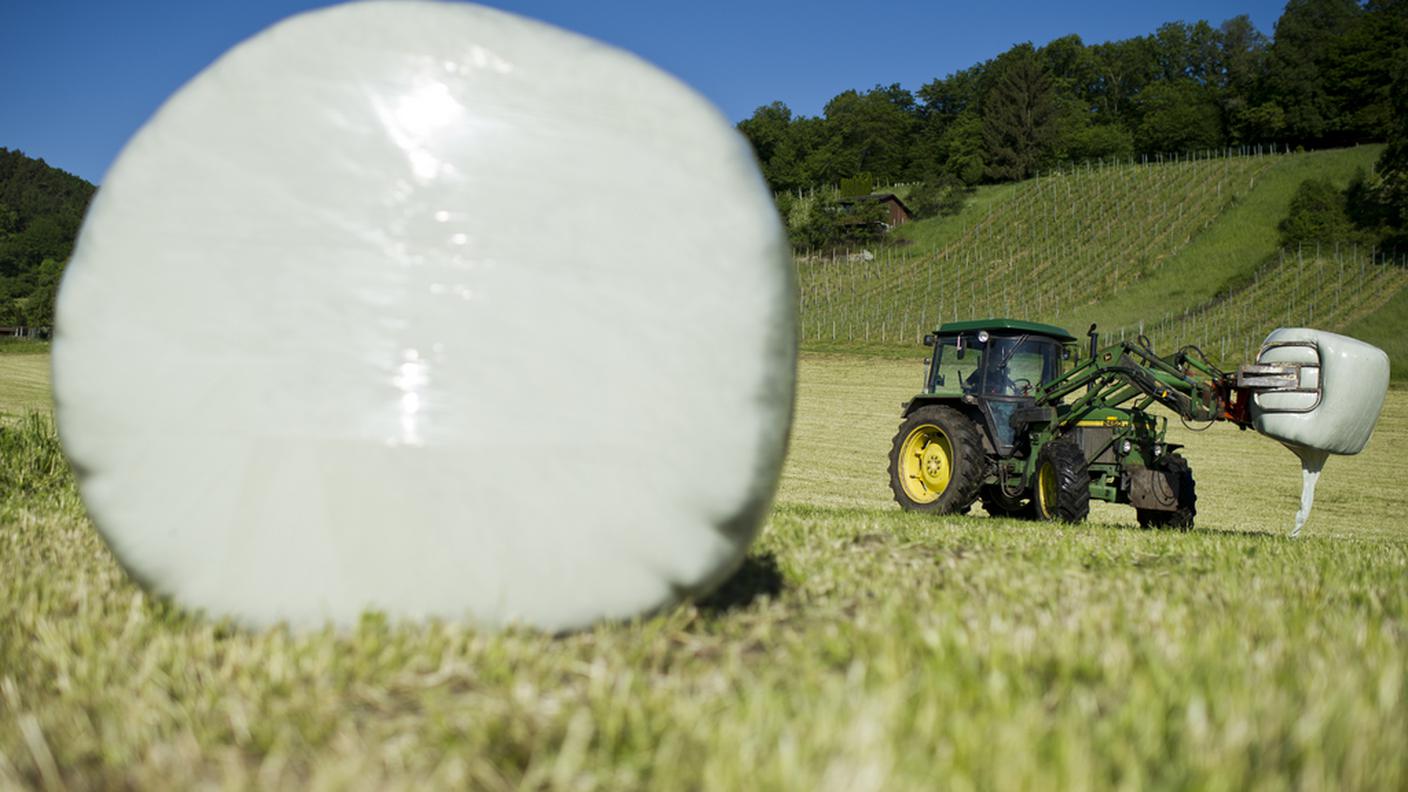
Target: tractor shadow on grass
(758, 577)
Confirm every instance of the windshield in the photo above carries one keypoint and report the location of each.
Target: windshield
(1016, 365)
(1000, 366)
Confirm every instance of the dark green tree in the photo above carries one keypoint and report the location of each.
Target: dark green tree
(1301, 64)
(33, 188)
(1178, 116)
(1242, 58)
(945, 102)
(876, 129)
(1359, 71)
(45, 208)
(1123, 68)
(1073, 69)
(862, 183)
(37, 307)
(1100, 141)
(965, 148)
(939, 196)
(46, 236)
(828, 159)
(775, 141)
(9, 220)
(1265, 123)
(1019, 116)
(1391, 192)
(1317, 215)
(814, 224)
(954, 95)
(1325, 80)
(1187, 52)
(1082, 132)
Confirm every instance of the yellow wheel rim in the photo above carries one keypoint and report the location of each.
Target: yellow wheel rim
(927, 463)
(1046, 488)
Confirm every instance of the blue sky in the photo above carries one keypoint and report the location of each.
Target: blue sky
(77, 78)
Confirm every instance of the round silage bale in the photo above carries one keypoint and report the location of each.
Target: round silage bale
(433, 310)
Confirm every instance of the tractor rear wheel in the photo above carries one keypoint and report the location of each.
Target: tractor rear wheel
(1062, 487)
(1182, 517)
(936, 461)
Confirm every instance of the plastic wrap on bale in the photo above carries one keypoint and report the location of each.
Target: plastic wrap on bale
(1342, 385)
(430, 309)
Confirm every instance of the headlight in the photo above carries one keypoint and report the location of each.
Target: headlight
(982, 336)
(1158, 449)
(1126, 446)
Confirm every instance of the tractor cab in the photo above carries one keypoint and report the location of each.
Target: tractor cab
(995, 366)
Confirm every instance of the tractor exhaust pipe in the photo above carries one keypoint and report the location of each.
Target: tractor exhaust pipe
(1094, 345)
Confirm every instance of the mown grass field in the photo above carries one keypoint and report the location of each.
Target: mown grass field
(24, 379)
(860, 648)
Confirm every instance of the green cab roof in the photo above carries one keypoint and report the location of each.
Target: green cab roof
(1017, 325)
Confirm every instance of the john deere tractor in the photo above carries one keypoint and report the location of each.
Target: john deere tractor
(1014, 415)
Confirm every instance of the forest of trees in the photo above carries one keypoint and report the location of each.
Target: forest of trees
(40, 210)
(1327, 77)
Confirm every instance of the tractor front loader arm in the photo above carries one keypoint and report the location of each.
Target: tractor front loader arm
(1119, 373)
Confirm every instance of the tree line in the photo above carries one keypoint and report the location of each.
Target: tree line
(1326, 78)
(41, 208)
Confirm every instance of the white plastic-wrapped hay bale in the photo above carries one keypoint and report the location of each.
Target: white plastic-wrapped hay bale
(434, 310)
(1342, 383)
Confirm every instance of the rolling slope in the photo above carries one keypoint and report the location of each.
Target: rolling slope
(1184, 251)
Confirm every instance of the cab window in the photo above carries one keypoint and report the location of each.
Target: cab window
(955, 370)
(1016, 365)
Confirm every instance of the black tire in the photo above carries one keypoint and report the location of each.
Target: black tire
(917, 471)
(1182, 517)
(999, 504)
(1061, 490)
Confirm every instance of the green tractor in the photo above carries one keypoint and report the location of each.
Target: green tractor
(1013, 415)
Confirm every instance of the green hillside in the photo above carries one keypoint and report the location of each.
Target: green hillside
(1185, 251)
(41, 208)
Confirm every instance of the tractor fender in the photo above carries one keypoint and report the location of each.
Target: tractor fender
(971, 411)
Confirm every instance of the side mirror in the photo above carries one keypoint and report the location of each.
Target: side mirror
(959, 347)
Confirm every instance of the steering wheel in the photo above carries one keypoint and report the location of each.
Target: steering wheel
(1021, 385)
(970, 382)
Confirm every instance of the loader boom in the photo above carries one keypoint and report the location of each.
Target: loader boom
(1186, 384)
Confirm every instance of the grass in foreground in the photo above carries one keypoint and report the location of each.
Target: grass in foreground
(861, 648)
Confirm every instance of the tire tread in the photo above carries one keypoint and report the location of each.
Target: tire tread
(968, 463)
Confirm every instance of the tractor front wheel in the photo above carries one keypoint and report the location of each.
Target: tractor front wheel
(936, 461)
(1062, 487)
